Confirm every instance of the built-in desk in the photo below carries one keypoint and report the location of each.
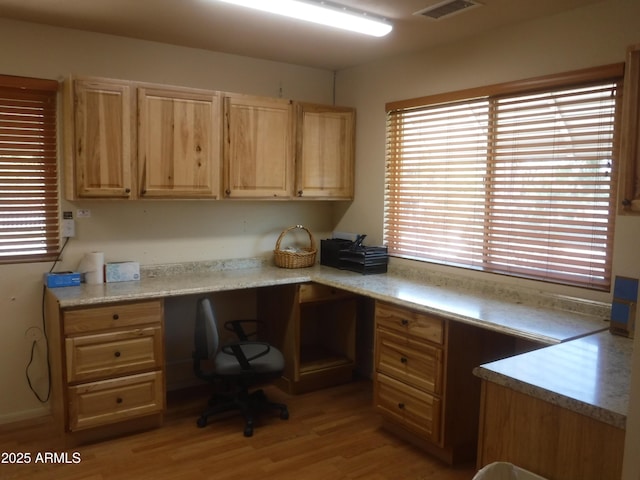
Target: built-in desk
(534, 319)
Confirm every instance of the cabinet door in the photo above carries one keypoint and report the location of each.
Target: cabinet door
(258, 147)
(324, 151)
(178, 143)
(102, 136)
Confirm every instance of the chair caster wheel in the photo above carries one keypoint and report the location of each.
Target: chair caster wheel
(284, 414)
(248, 431)
(202, 422)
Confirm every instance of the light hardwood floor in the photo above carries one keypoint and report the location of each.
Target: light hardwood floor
(331, 434)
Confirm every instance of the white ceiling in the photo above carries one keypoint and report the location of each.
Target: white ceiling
(220, 27)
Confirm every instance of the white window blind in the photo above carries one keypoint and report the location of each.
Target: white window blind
(519, 184)
(28, 174)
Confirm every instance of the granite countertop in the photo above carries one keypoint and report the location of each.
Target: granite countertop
(589, 375)
(545, 319)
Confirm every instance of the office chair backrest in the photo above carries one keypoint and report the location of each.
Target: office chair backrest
(206, 336)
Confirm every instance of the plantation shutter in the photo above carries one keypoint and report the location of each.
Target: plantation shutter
(28, 173)
(521, 184)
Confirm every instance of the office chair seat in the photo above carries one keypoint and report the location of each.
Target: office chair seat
(271, 362)
(236, 367)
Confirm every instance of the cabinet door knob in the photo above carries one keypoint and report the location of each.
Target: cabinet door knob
(401, 406)
(403, 359)
(117, 354)
(299, 193)
(404, 322)
(119, 400)
(116, 316)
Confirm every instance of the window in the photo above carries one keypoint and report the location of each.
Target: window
(29, 228)
(516, 179)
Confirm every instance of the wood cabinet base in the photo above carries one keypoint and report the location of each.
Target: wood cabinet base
(107, 368)
(424, 385)
(546, 439)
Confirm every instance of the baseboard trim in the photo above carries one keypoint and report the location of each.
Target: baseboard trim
(35, 415)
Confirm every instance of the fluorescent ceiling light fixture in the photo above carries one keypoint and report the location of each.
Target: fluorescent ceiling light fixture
(323, 13)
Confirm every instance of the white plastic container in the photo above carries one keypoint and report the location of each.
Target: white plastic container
(505, 471)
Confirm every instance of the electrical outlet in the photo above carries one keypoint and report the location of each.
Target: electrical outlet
(33, 334)
(68, 228)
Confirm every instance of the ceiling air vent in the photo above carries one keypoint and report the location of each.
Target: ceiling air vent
(447, 8)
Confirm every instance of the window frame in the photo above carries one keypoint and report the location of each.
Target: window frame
(609, 73)
(38, 138)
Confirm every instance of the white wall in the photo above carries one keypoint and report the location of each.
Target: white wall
(150, 232)
(595, 35)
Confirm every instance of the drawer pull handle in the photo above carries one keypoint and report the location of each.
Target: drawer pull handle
(119, 400)
(401, 406)
(117, 354)
(404, 322)
(116, 316)
(403, 360)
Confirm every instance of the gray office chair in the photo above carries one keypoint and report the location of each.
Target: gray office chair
(236, 367)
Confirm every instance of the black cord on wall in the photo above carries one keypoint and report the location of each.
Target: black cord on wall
(44, 399)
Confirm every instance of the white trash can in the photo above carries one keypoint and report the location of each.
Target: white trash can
(505, 471)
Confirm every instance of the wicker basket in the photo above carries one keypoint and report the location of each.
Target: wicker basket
(299, 259)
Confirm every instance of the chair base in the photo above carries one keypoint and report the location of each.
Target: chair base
(247, 403)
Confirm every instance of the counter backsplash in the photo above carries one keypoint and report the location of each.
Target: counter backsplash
(509, 293)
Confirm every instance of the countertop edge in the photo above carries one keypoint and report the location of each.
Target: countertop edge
(602, 414)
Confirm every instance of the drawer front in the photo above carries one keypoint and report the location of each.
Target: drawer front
(112, 316)
(416, 363)
(109, 401)
(411, 408)
(407, 321)
(92, 357)
(314, 292)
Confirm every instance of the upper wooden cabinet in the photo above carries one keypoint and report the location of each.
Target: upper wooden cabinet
(134, 140)
(99, 138)
(258, 147)
(630, 138)
(324, 151)
(178, 143)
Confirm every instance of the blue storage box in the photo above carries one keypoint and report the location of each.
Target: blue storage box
(61, 279)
